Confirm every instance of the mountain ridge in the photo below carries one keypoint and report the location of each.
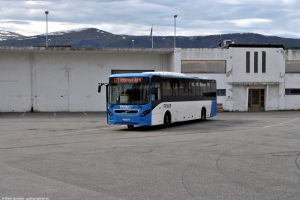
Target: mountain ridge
(95, 38)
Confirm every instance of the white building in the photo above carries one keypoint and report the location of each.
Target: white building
(249, 77)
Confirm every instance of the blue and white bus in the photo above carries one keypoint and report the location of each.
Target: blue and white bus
(158, 98)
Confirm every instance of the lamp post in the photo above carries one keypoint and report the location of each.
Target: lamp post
(46, 12)
(175, 16)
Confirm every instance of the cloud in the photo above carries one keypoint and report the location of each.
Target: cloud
(249, 22)
(135, 17)
(15, 22)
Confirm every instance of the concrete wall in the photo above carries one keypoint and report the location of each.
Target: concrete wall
(292, 80)
(15, 82)
(235, 80)
(275, 67)
(210, 54)
(238, 98)
(66, 80)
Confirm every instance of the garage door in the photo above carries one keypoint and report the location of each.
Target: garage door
(52, 90)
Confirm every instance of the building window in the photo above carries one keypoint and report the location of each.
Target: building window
(221, 92)
(247, 62)
(255, 62)
(292, 66)
(263, 62)
(292, 91)
(203, 66)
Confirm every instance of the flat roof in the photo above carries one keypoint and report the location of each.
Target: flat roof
(85, 50)
(257, 45)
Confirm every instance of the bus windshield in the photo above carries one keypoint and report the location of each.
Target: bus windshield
(128, 90)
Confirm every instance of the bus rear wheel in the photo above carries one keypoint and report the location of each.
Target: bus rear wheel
(130, 126)
(203, 115)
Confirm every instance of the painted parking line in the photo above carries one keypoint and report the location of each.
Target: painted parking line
(282, 123)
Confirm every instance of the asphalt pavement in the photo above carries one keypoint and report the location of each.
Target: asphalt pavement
(235, 155)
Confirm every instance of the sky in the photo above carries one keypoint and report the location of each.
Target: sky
(136, 17)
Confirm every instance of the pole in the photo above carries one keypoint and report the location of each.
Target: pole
(175, 31)
(46, 28)
(152, 35)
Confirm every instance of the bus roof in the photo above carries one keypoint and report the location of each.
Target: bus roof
(159, 73)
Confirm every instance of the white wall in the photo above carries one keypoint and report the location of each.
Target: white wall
(273, 97)
(274, 65)
(210, 54)
(235, 79)
(204, 54)
(66, 80)
(15, 82)
(238, 98)
(292, 102)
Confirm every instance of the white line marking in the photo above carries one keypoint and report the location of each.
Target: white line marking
(282, 123)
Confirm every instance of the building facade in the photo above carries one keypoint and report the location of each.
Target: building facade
(249, 77)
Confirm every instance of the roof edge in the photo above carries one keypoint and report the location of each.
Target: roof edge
(257, 45)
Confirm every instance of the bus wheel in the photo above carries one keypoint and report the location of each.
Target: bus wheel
(130, 126)
(166, 120)
(203, 115)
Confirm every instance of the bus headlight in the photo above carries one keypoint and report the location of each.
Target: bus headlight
(145, 113)
(108, 112)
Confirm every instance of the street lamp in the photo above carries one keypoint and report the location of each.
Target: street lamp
(175, 16)
(46, 12)
(132, 43)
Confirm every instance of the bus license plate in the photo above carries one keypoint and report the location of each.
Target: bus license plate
(126, 119)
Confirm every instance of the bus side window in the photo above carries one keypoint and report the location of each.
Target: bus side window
(155, 93)
(208, 89)
(183, 90)
(203, 89)
(158, 94)
(197, 90)
(166, 89)
(192, 92)
(214, 90)
(175, 89)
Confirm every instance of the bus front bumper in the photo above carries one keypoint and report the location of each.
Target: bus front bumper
(130, 120)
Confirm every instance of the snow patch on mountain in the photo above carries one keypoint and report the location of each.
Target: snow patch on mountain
(4, 35)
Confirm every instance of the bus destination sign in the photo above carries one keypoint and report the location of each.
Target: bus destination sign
(128, 80)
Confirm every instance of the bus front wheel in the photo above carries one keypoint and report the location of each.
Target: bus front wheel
(203, 115)
(130, 126)
(167, 120)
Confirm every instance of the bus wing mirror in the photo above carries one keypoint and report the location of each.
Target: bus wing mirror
(100, 85)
